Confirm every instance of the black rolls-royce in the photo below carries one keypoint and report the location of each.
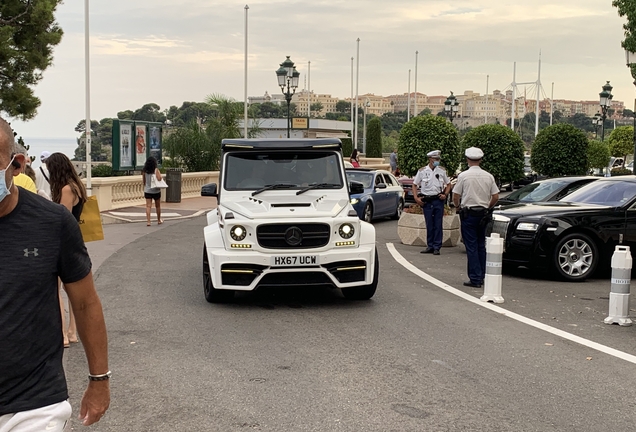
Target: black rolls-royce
(575, 236)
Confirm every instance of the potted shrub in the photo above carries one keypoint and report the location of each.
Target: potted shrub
(412, 227)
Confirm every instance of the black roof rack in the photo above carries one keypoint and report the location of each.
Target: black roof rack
(280, 144)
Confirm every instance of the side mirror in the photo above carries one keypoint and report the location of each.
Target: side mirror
(209, 190)
(380, 186)
(356, 188)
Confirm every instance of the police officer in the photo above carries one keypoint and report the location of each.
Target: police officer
(434, 187)
(477, 192)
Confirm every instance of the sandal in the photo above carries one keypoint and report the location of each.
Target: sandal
(160, 222)
(147, 223)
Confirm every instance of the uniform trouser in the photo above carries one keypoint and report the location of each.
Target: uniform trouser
(433, 214)
(49, 418)
(474, 238)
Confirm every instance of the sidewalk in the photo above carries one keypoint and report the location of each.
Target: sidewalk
(187, 208)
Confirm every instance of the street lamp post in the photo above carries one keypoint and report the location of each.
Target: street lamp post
(451, 107)
(631, 61)
(288, 81)
(367, 104)
(596, 121)
(605, 102)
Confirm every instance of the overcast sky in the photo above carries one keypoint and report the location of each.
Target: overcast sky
(170, 51)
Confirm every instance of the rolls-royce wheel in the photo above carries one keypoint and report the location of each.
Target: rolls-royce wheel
(575, 257)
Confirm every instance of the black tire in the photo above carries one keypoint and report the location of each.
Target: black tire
(364, 292)
(399, 209)
(213, 295)
(575, 257)
(367, 213)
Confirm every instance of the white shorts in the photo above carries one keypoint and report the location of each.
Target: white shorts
(51, 418)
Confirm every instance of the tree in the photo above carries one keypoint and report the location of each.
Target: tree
(393, 121)
(390, 141)
(150, 112)
(374, 138)
(316, 107)
(503, 151)
(192, 148)
(423, 134)
(627, 8)
(559, 150)
(28, 33)
(343, 106)
(347, 147)
(621, 142)
(628, 113)
(598, 154)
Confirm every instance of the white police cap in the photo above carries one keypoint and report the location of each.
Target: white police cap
(434, 154)
(474, 153)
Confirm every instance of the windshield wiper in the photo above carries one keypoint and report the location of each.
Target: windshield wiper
(274, 186)
(318, 186)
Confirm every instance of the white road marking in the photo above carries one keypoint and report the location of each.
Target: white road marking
(536, 324)
(131, 214)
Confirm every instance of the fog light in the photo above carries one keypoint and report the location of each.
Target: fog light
(238, 233)
(347, 243)
(240, 246)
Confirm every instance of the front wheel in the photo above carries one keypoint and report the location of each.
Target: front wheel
(575, 257)
(213, 295)
(368, 212)
(399, 209)
(364, 292)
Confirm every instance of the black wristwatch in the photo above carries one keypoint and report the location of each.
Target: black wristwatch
(102, 377)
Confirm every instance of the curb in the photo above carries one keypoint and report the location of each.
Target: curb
(108, 219)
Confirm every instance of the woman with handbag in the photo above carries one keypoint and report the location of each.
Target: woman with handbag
(66, 189)
(152, 188)
(355, 159)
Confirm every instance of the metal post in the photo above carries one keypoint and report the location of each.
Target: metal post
(309, 87)
(619, 293)
(551, 104)
(514, 95)
(487, 85)
(355, 142)
(288, 97)
(87, 65)
(492, 279)
(536, 111)
(364, 130)
(634, 160)
(245, 84)
(408, 100)
(415, 110)
(351, 113)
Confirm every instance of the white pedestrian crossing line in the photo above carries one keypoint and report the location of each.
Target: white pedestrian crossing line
(143, 215)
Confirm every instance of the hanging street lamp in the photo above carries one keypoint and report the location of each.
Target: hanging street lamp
(288, 81)
(605, 102)
(451, 107)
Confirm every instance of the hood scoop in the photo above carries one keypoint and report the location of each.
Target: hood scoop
(291, 205)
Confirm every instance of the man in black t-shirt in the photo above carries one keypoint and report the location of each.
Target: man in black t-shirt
(39, 242)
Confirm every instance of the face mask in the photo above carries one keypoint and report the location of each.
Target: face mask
(4, 190)
(436, 163)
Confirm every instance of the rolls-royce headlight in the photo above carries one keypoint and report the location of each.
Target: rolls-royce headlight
(238, 233)
(346, 231)
(527, 226)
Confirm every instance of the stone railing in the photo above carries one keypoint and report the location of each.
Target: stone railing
(125, 191)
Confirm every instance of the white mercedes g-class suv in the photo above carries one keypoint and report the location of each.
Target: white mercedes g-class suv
(284, 218)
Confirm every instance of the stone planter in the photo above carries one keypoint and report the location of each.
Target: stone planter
(412, 230)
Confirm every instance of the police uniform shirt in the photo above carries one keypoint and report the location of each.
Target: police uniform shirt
(431, 181)
(476, 187)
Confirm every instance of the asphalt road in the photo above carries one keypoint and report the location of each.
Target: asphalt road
(414, 358)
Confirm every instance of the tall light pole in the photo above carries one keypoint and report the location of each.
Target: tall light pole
(408, 99)
(245, 84)
(451, 107)
(415, 114)
(631, 62)
(87, 67)
(355, 142)
(605, 101)
(367, 104)
(288, 77)
(351, 109)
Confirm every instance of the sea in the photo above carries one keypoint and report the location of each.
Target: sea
(61, 145)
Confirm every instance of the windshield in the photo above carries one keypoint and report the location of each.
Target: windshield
(255, 170)
(536, 192)
(609, 193)
(366, 178)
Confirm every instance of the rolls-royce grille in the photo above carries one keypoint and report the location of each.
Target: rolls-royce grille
(499, 227)
(293, 236)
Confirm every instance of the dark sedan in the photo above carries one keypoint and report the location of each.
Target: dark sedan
(382, 196)
(574, 236)
(546, 190)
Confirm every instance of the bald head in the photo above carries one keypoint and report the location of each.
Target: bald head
(6, 138)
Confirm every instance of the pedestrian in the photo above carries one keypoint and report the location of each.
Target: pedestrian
(355, 159)
(393, 159)
(23, 180)
(41, 241)
(474, 195)
(150, 169)
(434, 187)
(42, 176)
(66, 189)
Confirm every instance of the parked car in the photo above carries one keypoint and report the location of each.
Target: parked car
(407, 187)
(574, 236)
(382, 196)
(546, 190)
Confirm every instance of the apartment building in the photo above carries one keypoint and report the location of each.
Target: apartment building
(277, 99)
(303, 98)
(377, 105)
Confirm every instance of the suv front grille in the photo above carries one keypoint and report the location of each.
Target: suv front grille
(293, 236)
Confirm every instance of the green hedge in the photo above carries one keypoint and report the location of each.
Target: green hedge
(374, 138)
(560, 150)
(347, 147)
(503, 150)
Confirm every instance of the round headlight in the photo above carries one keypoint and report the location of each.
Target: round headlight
(354, 201)
(346, 231)
(238, 232)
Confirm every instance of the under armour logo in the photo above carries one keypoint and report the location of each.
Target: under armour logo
(27, 252)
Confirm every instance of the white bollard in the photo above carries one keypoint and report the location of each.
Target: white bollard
(494, 260)
(621, 279)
